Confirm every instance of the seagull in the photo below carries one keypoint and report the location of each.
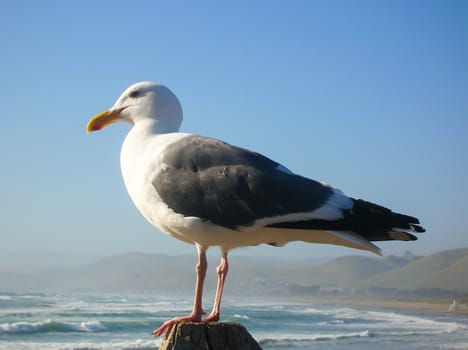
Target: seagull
(206, 192)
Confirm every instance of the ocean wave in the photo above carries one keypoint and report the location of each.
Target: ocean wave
(138, 344)
(331, 323)
(243, 317)
(312, 311)
(273, 340)
(96, 308)
(27, 296)
(49, 325)
(391, 320)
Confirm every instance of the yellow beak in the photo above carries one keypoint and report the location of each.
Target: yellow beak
(105, 118)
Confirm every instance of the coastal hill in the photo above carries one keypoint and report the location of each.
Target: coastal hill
(445, 270)
(439, 274)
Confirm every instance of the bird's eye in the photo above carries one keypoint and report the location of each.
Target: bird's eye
(134, 93)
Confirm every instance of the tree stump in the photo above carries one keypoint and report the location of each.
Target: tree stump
(209, 336)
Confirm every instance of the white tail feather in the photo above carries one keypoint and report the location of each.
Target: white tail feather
(357, 241)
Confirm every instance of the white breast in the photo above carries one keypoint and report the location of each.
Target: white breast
(141, 160)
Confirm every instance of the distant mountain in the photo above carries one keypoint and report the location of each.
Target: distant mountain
(347, 271)
(125, 272)
(34, 261)
(443, 272)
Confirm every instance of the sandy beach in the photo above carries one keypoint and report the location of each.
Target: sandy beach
(441, 306)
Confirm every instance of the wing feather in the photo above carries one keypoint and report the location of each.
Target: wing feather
(237, 188)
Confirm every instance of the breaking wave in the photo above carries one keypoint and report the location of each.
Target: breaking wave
(49, 325)
(274, 340)
(138, 344)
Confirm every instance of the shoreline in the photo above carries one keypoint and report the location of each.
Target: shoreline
(423, 306)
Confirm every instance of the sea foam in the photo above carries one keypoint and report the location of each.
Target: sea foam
(51, 326)
(137, 344)
(283, 340)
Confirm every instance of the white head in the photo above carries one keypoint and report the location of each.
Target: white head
(144, 101)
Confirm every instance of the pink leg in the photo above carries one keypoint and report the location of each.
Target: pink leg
(222, 271)
(197, 311)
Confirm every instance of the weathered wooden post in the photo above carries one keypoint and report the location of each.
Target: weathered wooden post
(209, 336)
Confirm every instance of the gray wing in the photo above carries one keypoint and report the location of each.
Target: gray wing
(230, 186)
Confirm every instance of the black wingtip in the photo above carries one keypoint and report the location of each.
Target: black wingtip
(407, 222)
(417, 228)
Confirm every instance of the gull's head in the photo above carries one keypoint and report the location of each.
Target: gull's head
(143, 102)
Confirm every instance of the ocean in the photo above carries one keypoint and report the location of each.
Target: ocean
(110, 321)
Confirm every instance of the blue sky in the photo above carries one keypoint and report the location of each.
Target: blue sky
(369, 96)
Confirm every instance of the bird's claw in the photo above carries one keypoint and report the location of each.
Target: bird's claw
(167, 326)
(213, 317)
